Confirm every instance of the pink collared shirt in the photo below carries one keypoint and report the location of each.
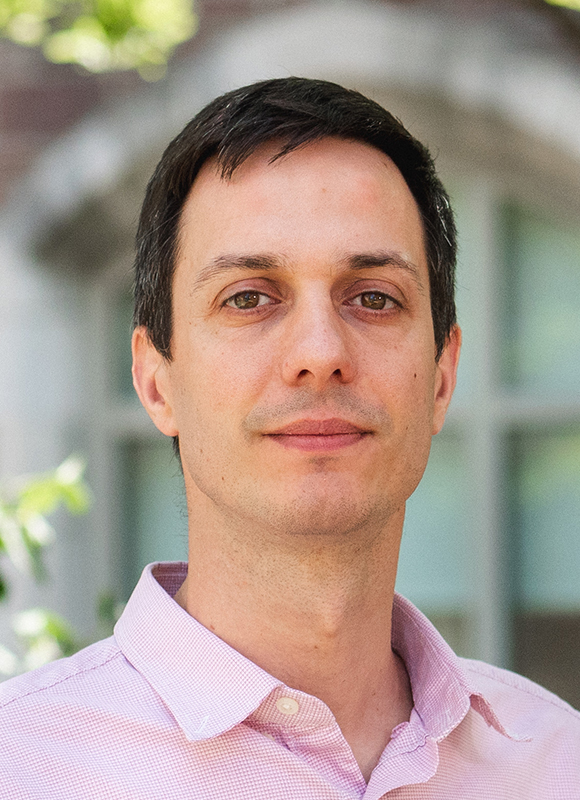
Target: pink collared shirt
(165, 710)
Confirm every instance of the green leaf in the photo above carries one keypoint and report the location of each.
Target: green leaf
(63, 486)
(573, 4)
(39, 628)
(35, 555)
(24, 529)
(14, 544)
(101, 35)
(24, 535)
(40, 496)
(3, 589)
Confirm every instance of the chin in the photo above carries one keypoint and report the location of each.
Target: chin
(326, 516)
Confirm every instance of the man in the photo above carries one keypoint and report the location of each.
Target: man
(296, 336)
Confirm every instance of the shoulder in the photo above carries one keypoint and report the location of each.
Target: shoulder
(524, 707)
(62, 726)
(95, 690)
(82, 666)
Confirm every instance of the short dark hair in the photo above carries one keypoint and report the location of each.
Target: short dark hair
(294, 111)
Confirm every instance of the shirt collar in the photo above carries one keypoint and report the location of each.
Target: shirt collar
(442, 692)
(209, 687)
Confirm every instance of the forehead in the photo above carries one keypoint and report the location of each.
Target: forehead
(331, 191)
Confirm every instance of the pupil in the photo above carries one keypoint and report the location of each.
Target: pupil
(247, 300)
(373, 300)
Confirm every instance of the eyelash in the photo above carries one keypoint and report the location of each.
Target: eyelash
(231, 301)
(386, 298)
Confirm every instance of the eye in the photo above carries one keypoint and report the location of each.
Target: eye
(374, 300)
(248, 299)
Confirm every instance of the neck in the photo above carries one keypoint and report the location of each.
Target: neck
(313, 612)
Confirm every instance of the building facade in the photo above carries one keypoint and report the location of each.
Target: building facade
(491, 549)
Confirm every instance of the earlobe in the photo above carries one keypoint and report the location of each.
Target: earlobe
(446, 377)
(151, 381)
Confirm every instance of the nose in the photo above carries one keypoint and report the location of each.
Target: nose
(316, 345)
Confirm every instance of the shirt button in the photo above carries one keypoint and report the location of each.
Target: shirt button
(287, 705)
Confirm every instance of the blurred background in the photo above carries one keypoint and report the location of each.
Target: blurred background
(491, 550)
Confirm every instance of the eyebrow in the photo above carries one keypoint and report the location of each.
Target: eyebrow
(265, 262)
(383, 258)
(221, 264)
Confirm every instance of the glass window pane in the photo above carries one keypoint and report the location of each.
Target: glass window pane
(546, 519)
(546, 527)
(541, 345)
(434, 562)
(154, 508)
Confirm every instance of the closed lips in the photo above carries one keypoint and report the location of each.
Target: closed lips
(318, 427)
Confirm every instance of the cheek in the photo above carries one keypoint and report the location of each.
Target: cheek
(414, 399)
(220, 381)
(406, 376)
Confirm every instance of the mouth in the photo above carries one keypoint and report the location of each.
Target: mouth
(319, 434)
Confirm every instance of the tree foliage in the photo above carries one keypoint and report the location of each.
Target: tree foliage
(573, 4)
(24, 534)
(101, 35)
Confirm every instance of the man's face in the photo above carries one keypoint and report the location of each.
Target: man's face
(303, 384)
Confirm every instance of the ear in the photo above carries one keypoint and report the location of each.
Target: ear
(446, 377)
(151, 381)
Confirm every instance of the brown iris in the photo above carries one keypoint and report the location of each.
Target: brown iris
(374, 300)
(247, 299)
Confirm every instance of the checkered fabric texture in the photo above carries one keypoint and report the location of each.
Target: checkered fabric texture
(165, 710)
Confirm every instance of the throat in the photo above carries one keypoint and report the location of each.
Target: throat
(368, 734)
(314, 614)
